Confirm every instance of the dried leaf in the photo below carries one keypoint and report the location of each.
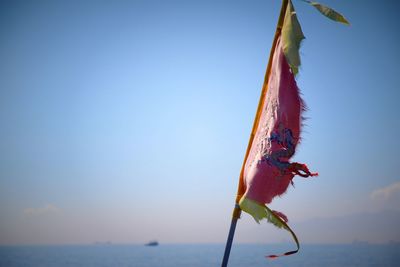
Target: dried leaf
(329, 12)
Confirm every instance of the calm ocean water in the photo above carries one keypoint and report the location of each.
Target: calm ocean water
(196, 255)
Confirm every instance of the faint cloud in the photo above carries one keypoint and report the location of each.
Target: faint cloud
(386, 192)
(46, 209)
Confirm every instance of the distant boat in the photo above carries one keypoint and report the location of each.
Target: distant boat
(152, 244)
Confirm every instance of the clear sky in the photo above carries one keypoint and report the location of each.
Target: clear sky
(126, 121)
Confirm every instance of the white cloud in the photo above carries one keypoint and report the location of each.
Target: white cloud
(46, 209)
(386, 192)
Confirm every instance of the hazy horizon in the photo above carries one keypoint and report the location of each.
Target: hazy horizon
(127, 121)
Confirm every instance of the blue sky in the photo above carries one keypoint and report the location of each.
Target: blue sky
(128, 120)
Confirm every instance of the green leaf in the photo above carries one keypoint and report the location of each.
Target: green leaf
(329, 12)
(292, 35)
(260, 211)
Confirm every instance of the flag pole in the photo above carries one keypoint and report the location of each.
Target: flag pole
(235, 216)
(241, 187)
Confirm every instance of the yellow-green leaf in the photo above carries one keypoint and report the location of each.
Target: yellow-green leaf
(329, 12)
(292, 35)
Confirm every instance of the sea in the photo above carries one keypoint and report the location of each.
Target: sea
(197, 255)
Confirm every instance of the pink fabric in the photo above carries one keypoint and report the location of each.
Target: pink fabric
(268, 172)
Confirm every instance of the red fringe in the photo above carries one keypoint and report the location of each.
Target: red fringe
(301, 169)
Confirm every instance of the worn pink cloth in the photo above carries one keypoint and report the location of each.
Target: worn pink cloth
(268, 172)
